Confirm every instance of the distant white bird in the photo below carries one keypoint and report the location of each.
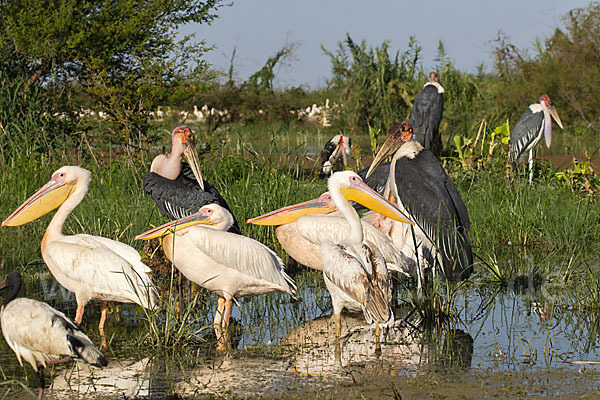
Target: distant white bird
(39, 334)
(226, 263)
(92, 267)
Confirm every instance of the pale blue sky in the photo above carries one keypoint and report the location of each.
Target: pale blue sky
(467, 27)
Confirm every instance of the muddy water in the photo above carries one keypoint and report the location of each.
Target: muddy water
(503, 343)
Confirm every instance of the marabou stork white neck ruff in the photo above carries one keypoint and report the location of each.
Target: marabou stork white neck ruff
(92, 267)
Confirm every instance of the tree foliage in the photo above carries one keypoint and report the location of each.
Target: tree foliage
(564, 66)
(125, 54)
(375, 86)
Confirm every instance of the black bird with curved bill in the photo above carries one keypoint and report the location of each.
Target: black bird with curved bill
(336, 149)
(426, 115)
(535, 122)
(416, 182)
(177, 188)
(39, 334)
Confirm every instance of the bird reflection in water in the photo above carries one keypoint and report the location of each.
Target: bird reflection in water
(402, 348)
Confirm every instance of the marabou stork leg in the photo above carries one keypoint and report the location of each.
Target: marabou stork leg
(530, 166)
(103, 314)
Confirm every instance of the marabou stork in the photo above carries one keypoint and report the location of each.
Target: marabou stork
(177, 188)
(228, 264)
(338, 148)
(354, 269)
(426, 115)
(527, 133)
(39, 334)
(416, 182)
(300, 232)
(92, 267)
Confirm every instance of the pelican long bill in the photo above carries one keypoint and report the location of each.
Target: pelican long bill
(361, 193)
(289, 214)
(174, 226)
(49, 197)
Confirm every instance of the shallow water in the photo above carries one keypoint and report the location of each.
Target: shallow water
(510, 343)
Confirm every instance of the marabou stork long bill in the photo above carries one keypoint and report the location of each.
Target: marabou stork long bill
(228, 264)
(39, 334)
(92, 267)
(177, 188)
(338, 148)
(535, 122)
(426, 115)
(418, 185)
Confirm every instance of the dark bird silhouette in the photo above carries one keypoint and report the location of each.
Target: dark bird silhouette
(535, 122)
(177, 188)
(426, 115)
(417, 184)
(336, 149)
(39, 334)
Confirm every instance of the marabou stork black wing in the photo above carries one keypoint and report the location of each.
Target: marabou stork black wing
(526, 133)
(426, 116)
(430, 197)
(378, 178)
(183, 196)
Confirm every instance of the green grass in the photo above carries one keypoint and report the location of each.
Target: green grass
(541, 233)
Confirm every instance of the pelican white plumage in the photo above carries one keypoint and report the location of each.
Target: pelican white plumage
(228, 264)
(92, 267)
(39, 334)
(355, 271)
(300, 233)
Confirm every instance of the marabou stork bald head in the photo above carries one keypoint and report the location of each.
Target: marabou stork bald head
(433, 76)
(184, 136)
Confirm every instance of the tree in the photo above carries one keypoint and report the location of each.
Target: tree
(124, 54)
(564, 66)
(375, 86)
